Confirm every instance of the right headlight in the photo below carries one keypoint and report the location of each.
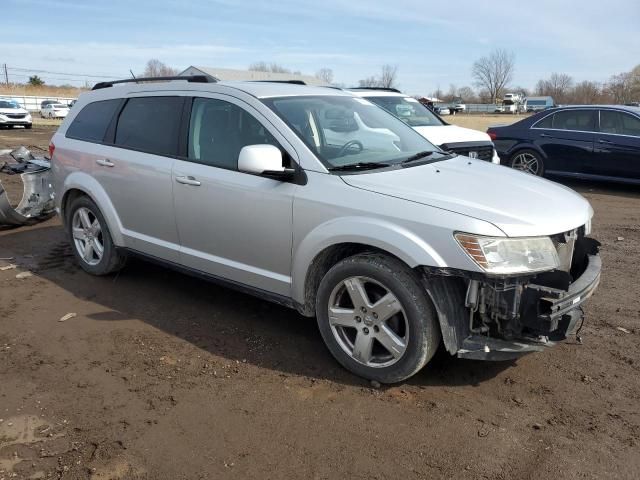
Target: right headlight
(505, 256)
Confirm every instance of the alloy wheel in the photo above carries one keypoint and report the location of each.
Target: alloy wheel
(368, 322)
(87, 236)
(526, 162)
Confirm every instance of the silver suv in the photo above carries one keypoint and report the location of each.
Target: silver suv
(326, 203)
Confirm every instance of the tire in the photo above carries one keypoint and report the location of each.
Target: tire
(29, 127)
(87, 231)
(364, 324)
(528, 161)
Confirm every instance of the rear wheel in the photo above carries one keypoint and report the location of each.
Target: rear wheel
(91, 240)
(528, 161)
(376, 318)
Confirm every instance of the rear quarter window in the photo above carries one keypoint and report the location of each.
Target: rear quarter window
(92, 121)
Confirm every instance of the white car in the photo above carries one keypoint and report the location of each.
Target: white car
(463, 141)
(11, 113)
(54, 110)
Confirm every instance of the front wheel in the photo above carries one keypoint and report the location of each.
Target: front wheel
(376, 318)
(91, 240)
(528, 161)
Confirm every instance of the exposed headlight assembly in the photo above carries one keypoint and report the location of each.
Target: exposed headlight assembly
(505, 256)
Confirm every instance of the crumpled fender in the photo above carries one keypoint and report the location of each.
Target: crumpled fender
(37, 197)
(377, 233)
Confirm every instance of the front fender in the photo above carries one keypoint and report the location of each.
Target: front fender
(86, 183)
(381, 234)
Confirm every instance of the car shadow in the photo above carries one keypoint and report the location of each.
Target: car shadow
(216, 319)
(600, 187)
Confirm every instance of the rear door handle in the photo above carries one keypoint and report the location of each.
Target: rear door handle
(105, 163)
(188, 181)
(544, 135)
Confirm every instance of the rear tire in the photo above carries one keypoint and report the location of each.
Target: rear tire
(91, 239)
(376, 317)
(528, 161)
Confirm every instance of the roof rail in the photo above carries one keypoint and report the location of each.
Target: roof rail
(384, 89)
(293, 82)
(191, 79)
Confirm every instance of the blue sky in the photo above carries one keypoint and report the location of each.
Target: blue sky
(433, 43)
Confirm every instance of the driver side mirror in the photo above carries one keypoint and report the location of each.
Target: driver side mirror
(264, 160)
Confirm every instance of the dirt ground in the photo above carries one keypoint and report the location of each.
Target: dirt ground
(163, 376)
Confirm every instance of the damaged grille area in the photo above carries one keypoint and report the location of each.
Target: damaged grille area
(479, 150)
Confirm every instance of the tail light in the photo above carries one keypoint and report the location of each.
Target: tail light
(52, 148)
(492, 135)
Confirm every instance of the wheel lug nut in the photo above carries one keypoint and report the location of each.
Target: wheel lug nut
(376, 329)
(358, 319)
(365, 330)
(375, 315)
(363, 310)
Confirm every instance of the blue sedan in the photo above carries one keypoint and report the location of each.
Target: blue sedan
(591, 142)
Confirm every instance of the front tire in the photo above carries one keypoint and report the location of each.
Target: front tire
(528, 161)
(90, 238)
(376, 317)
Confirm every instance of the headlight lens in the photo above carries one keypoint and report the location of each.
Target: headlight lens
(500, 255)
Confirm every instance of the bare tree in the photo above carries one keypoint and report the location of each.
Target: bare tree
(625, 87)
(269, 67)
(388, 76)
(326, 75)
(494, 72)
(369, 82)
(452, 94)
(586, 93)
(467, 94)
(155, 68)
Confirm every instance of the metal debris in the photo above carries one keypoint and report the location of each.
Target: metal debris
(37, 196)
(67, 317)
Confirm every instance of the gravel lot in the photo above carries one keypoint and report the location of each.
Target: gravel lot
(162, 376)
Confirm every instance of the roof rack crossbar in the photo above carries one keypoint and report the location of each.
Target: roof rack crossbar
(191, 79)
(293, 81)
(384, 89)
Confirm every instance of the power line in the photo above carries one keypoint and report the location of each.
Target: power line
(33, 70)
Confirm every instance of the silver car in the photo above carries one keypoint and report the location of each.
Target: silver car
(326, 203)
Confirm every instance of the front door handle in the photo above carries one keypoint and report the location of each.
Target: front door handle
(602, 140)
(188, 181)
(544, 135)
(104, 162)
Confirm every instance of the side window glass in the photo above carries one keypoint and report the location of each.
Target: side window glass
(630, 125)
(546, 122)
(218, 130)
(582, 120)
(150, 124)
(91, 123)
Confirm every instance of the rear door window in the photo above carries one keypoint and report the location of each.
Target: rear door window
(546, 122)
(91, 123)
(577, 120)
(150, 124)
(619, 123)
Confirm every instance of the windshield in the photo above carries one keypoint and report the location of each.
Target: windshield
(8, 104)
(344, 131)
(409, 110)
(58, 105)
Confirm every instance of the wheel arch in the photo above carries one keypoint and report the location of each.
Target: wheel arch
(331, 242)
(80, 184)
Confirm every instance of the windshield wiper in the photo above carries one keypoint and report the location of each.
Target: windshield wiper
(417, 156)
(359, 166)
(421, 155)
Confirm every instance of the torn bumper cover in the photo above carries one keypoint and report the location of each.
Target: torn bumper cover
(37, 196)
(509, 317)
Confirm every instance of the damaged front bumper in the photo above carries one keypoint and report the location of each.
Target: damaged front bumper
(37, 196)
(505, 318)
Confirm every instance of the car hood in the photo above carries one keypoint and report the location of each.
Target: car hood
(517, 203)
(13, 110)
(451, 134)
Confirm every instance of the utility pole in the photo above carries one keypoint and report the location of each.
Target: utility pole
(6, 75)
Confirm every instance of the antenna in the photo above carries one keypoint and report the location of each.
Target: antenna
(133, 76)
